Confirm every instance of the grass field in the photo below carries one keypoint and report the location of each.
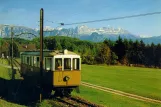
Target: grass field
(140, 81)
(44, 103)
(4, 61)
(4, 103)
(5, 73)
(111, 100)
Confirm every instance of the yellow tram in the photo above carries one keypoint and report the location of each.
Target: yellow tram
(62, 70)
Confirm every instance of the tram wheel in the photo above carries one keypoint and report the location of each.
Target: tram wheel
(46, 92)
(62, 92)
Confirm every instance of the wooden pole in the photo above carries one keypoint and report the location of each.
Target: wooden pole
(41, 49)
(1, 44)
(12, 52)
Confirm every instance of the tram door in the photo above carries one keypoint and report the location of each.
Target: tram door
(58, 70)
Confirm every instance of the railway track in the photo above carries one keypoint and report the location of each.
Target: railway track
(76, 102)
(121, 93)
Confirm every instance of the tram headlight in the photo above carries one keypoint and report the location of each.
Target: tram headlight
(66, 78)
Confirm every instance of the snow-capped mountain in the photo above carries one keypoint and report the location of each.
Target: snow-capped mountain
(5, 31)
(82, 32)
(48, 28)
(145, 36)
(88, 31)
(95, 34)
(104, 30)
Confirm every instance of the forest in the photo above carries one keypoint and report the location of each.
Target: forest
(119, 52)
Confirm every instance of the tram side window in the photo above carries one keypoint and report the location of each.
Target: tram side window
(23, 57)
(76, 63)
(48, 63)
(58, 64)
(67, 63)
(28, 60)
(35, 61)
(38, 62)
(31, 61)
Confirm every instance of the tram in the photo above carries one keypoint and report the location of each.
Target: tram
(61, 70)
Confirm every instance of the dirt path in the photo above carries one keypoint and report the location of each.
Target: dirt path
(121, 93)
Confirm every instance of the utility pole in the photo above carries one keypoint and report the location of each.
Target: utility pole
(12, 52)
(41, 49)
(1, 43)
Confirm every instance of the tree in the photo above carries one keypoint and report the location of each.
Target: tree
(157, 60)
(150, 55)
(114, 58)
(120, 49)
(104, 54)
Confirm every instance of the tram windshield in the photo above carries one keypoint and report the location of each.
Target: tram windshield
(67, 64)
(58, 64)
(76, 63)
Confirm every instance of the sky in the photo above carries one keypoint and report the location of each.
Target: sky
(27, 13)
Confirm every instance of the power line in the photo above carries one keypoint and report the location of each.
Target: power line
(62, 24)
(116, 18)
(50, 21)
(108, 6)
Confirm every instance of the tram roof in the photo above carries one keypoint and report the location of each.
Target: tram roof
(48, 53)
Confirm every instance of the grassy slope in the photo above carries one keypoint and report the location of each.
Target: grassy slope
(111, 100)
(141, 81)
(4, 61)
(5, 73)
(44, 103)
(4, 103)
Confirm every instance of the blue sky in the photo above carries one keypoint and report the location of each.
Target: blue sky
(26, 13)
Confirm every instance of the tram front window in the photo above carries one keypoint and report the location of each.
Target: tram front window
(58, 64)
(48, 63)
(76, 64)
(67, 63)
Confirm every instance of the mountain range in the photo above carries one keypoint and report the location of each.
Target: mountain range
(82, 32)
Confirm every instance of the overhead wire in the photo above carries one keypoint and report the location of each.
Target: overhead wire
(115, 18)
(105, 6)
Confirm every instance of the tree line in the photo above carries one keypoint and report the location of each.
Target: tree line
(121, 51)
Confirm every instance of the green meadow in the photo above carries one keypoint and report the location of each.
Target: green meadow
(111, 100)
(4, 103)
(141, 81)
(5, 73)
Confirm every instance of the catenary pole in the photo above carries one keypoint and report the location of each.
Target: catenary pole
(1, 44)
(12, 52)
(41, 49)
